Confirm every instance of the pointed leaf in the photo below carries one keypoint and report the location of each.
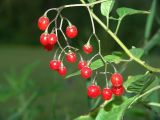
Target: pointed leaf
(106, 7)
(123, 11)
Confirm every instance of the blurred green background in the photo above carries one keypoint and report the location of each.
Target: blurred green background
(28, 89)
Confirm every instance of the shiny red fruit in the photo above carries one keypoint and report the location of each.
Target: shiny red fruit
(107, 94)
(87, 48)
(118, 91)
(71, 31)
(62, 70)
(81, 64)
(55, 64)
(71, 57)
(117, 79)
(86, 72)
(52, 39)
(43, 22)
(93, 91)
(48, 47)
(44, 39)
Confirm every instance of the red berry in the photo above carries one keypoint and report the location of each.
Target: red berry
(48, 47)
(52, 39)
(44, 39)
(71, 31)
(86, 72)
(62, 70)
(55, 64)
(107, 93)
(81, 64)
(118, 91)
(87, 48)
(93, 91)
(71, 57)
(43, 22)
(117, 79)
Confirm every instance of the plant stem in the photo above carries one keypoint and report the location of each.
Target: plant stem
(118, 25)
(119, 42)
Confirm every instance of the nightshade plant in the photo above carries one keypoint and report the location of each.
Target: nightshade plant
(138, 85)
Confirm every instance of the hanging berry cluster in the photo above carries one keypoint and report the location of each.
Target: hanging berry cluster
(49, 39)
(117, 89)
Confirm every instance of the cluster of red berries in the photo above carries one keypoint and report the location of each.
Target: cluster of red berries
(49, 40)
(117, 89)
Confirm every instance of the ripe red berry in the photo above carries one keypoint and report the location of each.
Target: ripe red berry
(71, 31)
(43, 22)
(87, 48)
(93, 91)
(44, 39)
(48, 47)
(117, 79)
(52, 39)
(86, 72)
(81, 64)
(118, 91)
(71, 57)
(62, 70)
(55, 64)
(107, 93)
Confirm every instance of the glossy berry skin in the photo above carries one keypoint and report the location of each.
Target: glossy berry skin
(44, 39)
(93, 91)
(52, 39)
(71, 31)
(81, 64)
(43, 22)
(86, 72)
(62, 70)
(55, 64)
(117, 79)
(118, 91)
(87, 48)
(48, 47)
(107, 94)
(71, 57)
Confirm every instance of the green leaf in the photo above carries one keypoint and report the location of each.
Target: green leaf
(115, 109)
(137, 52)
(138, 83)
(123, 11)
(106, 7)
(116, 58)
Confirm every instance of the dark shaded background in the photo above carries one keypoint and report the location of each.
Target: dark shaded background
(19, 47)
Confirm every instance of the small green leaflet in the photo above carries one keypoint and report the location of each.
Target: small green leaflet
(106, 7)
(114, 58)
(123, 11)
